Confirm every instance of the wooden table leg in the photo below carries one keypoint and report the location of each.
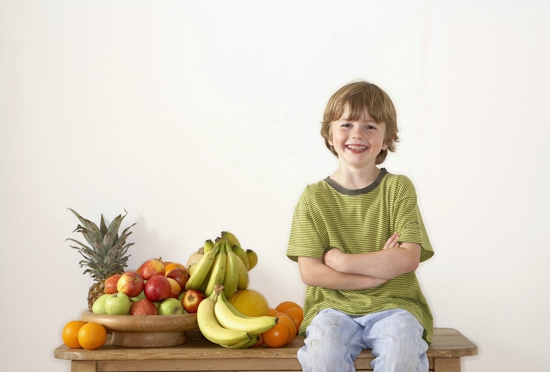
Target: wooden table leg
(446, 364)
(83, 366)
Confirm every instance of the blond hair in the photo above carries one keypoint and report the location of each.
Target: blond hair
(358, 97)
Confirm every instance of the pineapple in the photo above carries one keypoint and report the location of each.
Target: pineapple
(107, 254)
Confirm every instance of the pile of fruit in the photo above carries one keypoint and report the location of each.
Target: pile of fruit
(88, 335)
(232, 315)
(155, 288)
(224, 262)
(223, 324)
(290, 316)
(213, 284)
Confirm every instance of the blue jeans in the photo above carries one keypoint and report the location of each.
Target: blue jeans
(334, 340)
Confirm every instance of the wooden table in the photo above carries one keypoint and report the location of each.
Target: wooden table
(198, 354)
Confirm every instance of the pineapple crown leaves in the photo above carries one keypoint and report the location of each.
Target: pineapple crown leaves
(107, 254)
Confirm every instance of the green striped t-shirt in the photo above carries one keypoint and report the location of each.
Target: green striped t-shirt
(359, 221)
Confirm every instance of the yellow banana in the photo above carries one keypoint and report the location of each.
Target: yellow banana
(231, 320)
(244, 344)
(243, 281)
(211, 328)
(201, 270)
(208, 246)
(231, 279)
(191, 268)
(252, 259)
(242, 255)
(234, 310)
(217, 274)
(231, 238)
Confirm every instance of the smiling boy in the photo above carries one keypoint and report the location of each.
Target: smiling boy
(358, 238)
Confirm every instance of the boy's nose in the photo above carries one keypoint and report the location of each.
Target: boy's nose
(357, 133)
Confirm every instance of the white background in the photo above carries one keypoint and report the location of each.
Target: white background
(203, 116)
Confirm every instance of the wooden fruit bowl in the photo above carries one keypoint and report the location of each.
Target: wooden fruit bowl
(145, 331)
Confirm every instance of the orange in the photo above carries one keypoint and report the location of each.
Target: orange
(172, 266)
(70, 333)
(92, 336)
(283, 317)
(297, 315)
(285, 305)
(277, 336)
(273, 312)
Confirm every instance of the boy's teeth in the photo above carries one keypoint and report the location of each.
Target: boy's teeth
(356, 147)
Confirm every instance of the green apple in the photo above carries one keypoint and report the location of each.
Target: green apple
(99, 305)
(170, 306)
(141, 296)
(118, 304)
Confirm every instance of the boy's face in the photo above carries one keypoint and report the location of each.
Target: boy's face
(357, 143)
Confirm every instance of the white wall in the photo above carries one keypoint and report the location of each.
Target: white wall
(198, 117)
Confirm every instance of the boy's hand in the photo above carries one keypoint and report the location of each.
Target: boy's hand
(394, 259)
(315, 273)
(333, 257)
(392, 242)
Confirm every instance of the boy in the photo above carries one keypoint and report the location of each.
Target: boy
(358, 237)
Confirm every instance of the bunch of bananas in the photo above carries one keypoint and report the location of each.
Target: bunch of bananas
(222, 263)
(221, 323)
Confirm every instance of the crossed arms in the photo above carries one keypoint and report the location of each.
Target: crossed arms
(360, 270)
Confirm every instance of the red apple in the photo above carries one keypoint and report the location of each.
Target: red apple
(150, 268)
(143, 307)
(191, 300)
(157, 288)
(179, 275)
(110, 284)
(130, 283)
(175, 288)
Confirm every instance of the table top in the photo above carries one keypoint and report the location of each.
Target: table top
(447, 343)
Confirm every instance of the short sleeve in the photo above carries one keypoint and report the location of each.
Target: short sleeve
(408, 220)
(304, 234)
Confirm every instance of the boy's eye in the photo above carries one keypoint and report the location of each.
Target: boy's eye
(346, 125)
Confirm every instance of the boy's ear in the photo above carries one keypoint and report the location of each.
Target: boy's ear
(387, 143)
(329, 137)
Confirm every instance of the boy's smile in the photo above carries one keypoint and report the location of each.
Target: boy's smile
(357, 142)
(356, 148)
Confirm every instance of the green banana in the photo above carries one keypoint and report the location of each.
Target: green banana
(242, 255)
(219, 242)
(252, 259)
(231, 320)
(231, 238)
(208, 246)
(202, 288)
(243, 280)
(191, 268)
(211, 328)
(231, 279)
(201, 270)
(217, 272)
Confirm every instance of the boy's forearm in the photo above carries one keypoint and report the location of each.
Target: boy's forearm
(385, 264)
(315, 273)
